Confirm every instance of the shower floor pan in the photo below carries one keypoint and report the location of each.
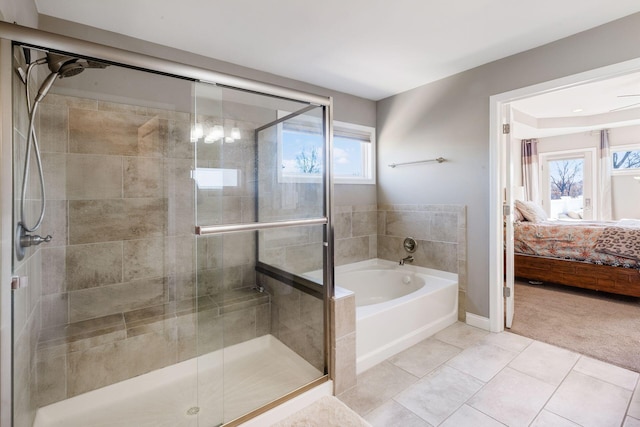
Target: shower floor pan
(190, 393)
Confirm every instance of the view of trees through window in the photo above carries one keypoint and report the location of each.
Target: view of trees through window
(566, 178)
(626, 160)
(302, 155)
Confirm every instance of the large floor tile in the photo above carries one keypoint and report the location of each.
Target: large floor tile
(376, 386)
(607, 372)
(394, 414)
(631, 422)
(546, 362)
(549, 419)
(589, 401)
(461, 335)
(425, 356)
(634, 407)
(508, 341)
(512, 397)
(467, 416)
(438, 395)
(483, 361)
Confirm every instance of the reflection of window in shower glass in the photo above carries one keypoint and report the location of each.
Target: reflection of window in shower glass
(566, 186)
(301, 153)
(215, 178)
(353, 154)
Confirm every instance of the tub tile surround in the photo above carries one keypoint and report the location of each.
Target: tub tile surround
(439, 230)
(465, 376)
(343, 342)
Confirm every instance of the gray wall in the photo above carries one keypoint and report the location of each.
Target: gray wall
(450, 118)
(21, 12)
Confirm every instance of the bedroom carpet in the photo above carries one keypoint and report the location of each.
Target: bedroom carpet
(602, 326)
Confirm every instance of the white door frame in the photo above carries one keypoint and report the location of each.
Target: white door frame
(496, 269)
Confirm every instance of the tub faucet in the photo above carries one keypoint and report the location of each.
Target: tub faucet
(406, 259)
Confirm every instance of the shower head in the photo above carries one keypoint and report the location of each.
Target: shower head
(68, 66)
(63, 66)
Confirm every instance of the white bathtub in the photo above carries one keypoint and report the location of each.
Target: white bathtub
(396, 306)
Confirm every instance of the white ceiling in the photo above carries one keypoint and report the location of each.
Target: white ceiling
(609, 103)
(368, 48)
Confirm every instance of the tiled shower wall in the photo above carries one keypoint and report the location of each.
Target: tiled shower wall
(119, 296)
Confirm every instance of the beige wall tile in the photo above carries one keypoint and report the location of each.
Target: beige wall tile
(143, 177)
(142, 258)
(121, 219)
(179, 143)
(444, 227)
(54, 168)
(51, 372)
(364, 223)
(55, 222)
(408, 224)
(351, 250)
(300, 259)
(93, 177)
(344, 315)
(54, 270)
(53, 130)
(342, 225)
(89, 266)
(344, 364)
(55, 309)
(94, 302)
(239, 326)
(102, 132)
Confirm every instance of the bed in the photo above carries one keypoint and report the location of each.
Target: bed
(603, 256)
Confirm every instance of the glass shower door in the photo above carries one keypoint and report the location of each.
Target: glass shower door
(238, 193)
(106, 313)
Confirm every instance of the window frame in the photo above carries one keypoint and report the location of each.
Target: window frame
(368, 153)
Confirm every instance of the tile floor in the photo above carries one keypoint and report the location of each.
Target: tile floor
(465, 376)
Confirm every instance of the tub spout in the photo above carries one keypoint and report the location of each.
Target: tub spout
(406, 259)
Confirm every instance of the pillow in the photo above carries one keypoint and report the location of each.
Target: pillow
(574, 215)
(517, 215)
(531, 211)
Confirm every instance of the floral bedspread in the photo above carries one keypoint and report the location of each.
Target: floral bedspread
(566, 240)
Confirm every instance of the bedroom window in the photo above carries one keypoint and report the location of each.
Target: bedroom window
(626, 158)
(300, 151)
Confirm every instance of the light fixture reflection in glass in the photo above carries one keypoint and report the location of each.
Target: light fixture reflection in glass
(213, 134)
(197, 132)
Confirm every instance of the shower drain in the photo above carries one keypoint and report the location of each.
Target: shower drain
(193, 410)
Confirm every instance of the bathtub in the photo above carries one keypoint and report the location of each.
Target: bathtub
(396, 306)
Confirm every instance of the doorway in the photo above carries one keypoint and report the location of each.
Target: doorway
(502, 188)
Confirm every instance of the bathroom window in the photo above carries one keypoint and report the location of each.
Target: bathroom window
(300, 151)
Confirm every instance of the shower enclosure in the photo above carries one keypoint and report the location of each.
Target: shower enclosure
(158, 254)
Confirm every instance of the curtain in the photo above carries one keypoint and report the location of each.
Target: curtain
(604, 172)
(530, 169)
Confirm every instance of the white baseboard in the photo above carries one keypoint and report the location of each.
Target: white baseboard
(478, 321)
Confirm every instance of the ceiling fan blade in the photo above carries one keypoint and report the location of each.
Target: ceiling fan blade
(631, 94)
(624, 108)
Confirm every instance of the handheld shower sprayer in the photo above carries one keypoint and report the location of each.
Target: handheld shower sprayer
(61, 66)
